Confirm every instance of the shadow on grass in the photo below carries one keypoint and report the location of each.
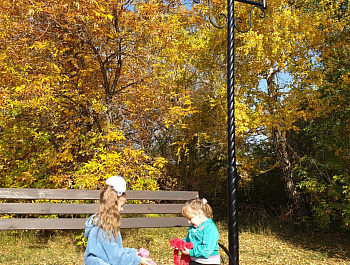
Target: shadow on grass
(334, 244)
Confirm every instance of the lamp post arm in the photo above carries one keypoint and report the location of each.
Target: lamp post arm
(239, 20)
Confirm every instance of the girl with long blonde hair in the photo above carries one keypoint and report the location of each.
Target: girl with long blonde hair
(102, 230)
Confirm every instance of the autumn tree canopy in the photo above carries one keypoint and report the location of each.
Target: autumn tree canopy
(85, 91)
(91, 89)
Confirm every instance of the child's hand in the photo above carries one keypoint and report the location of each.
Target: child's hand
(186, 251)
(145, 261)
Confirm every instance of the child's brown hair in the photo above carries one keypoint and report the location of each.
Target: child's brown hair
(195, 205)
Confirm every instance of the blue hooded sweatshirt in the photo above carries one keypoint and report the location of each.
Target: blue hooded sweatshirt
(105, 250)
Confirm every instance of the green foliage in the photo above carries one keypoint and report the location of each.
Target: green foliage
(328, 195)
(24, 149)
(81, 240)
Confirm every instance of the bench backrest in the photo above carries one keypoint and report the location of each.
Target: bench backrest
(24, 203)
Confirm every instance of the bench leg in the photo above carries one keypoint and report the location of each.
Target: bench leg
(227, 253)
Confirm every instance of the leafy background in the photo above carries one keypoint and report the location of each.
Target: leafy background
(91, 89)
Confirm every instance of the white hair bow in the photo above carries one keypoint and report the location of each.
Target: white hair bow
(117, 183)
(204, 201)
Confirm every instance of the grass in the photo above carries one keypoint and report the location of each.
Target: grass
(269, 245)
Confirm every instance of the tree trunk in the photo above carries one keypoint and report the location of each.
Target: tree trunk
(278, 134)
(279, 141)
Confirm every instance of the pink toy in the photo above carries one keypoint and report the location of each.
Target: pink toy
(179, 244)
(145, 254)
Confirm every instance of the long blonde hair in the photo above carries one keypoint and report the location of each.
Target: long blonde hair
(195, 205)
(108, 216)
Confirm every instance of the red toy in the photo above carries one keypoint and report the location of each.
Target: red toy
(179, 244)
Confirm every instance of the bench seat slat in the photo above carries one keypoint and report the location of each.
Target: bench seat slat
(79, 223)
(56, 194)
(69, 208)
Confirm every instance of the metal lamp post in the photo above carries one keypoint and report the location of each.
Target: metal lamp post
(231, 24)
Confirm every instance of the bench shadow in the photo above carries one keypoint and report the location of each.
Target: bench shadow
(331, 244)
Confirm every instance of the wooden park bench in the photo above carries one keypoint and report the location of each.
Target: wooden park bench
(57, 209)
(62, 209)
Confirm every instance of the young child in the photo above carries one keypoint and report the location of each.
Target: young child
(203, 233)
(104, 246)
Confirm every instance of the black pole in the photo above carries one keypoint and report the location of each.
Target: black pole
(232, 169)
(232, 181)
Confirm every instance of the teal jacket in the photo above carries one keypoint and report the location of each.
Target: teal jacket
(204, 239)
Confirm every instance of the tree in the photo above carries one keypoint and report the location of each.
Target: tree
(297, 49)
(286, 43)
(99, 69)
(324, 139)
